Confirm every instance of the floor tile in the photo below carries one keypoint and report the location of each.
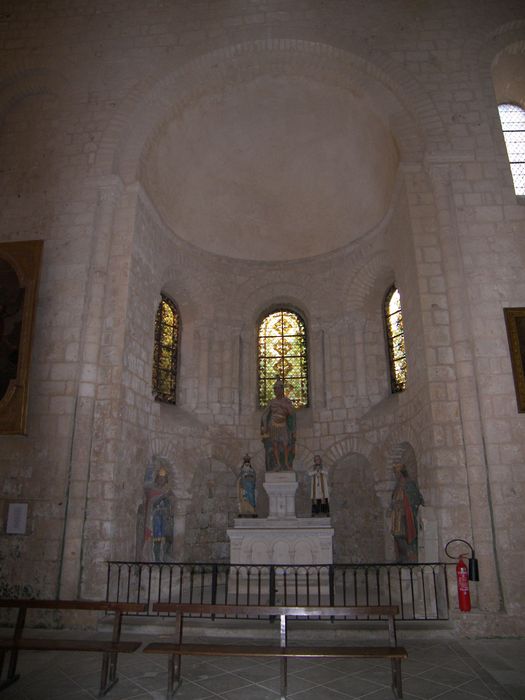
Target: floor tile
(423, 688)
(447, 676)
(295, 684)
(354, 686)
(224, 682)
(255, 692)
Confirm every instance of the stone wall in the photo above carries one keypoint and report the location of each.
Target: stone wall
(99, 105)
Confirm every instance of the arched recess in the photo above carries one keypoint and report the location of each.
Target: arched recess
(30, 82)
(30, 165)
(403, 453)
(356, 511)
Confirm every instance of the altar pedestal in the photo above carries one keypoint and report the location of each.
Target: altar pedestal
(281, 538)
(281, 488)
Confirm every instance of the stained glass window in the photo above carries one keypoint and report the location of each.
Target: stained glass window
(513, 124)
(165, 353)
(396, 340)
(283, 353)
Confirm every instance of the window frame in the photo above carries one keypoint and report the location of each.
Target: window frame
(283, 308)
(396, 386)
(519, 184)
(174, 349)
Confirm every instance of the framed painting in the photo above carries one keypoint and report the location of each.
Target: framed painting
(19, 273)
(515, 322)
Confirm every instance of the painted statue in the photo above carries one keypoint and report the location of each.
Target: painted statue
(406, 499)
(246, 489)
(319, 489)
(158, 514)
(278, 431)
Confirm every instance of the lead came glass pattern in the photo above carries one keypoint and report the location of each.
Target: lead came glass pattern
(513, 124)
(396, 340)
(283, 353)
(165, 354)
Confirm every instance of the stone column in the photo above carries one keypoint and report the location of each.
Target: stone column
(476, 463)
(77, 487)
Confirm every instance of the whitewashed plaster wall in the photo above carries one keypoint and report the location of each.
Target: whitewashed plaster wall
(87, 96)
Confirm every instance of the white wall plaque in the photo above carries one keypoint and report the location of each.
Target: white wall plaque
(16, 519)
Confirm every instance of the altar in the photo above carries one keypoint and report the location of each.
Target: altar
(282, 537)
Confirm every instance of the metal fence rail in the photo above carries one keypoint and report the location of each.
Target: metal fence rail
(420, 590)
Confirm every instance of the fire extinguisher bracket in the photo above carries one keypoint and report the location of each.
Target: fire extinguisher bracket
(473, 568)
(464, 574)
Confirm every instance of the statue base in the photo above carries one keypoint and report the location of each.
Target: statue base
(281, 488)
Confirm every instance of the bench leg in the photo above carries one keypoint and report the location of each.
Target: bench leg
(397, 684)
(11, 674)
(174, 671)
(108, 673)
(284, 680)
(113, 668)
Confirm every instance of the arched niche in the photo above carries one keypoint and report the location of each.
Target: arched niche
(508, 74)
(356, 512)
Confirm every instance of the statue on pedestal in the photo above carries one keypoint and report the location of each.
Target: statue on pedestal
(319, 489)
(278, 431)
(246, 489)
(406, 499)
(156, 516)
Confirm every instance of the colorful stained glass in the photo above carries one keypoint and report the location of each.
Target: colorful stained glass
(165, 353)
(282, 353)
(396, 340)
(513, 124)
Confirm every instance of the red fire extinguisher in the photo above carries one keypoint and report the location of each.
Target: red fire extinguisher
(463, 591)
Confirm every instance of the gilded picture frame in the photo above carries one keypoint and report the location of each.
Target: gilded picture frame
(515, 322)
(19, 275)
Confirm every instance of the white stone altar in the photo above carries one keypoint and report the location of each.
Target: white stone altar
(282, 537)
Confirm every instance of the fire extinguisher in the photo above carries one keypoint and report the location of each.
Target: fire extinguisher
(463, 590)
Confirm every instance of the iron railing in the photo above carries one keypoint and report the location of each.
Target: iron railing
(420, 590)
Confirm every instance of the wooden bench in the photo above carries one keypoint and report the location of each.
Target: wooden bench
(109, 648)
(283, 651)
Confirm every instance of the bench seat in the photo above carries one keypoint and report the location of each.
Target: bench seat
(304, 652)
(41, 644)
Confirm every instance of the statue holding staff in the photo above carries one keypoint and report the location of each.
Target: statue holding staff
(278, 423)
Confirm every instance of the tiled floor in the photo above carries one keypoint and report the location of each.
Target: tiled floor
(466, 670)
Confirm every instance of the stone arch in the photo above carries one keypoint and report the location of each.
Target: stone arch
(369, 285)
(29, 82)
(402, 443)
(348, 445)
(505, 40)
(172, 452)
(126, 139)
(507, 69)
(404, 453)
(254, 301)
